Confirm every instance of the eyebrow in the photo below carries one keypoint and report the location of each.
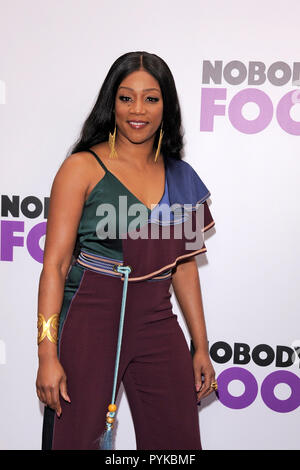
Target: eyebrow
(146, 89)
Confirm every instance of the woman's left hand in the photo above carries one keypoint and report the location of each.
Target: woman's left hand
(203, 366)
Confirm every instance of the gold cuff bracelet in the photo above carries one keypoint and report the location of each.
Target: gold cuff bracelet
(44, 327)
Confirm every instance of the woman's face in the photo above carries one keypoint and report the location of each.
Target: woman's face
(138, 107)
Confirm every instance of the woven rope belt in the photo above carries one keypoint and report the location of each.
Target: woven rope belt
(106, 438)
(104, 265)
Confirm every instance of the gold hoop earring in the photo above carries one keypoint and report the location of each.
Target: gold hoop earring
(161, 134)
(112, 143)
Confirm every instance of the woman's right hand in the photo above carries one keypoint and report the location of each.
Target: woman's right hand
(51, 381)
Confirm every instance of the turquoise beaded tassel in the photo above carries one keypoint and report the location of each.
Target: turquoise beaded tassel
(106, 439)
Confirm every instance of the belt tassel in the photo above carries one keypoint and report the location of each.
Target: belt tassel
(106, 438)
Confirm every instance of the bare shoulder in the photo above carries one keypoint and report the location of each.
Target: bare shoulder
(80, 170)
(77, 162)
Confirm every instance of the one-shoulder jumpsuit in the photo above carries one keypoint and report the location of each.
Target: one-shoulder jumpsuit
(155, 361)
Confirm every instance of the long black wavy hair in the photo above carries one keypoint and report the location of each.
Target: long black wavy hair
(101, 119)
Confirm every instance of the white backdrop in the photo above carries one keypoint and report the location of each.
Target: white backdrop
(54, 57)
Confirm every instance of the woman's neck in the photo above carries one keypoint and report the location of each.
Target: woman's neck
(138, 154)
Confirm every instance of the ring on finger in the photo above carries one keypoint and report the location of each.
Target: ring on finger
(214, 385)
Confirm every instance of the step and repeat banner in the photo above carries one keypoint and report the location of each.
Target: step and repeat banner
(238, 80)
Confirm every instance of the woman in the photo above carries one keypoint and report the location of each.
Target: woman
(110, 308)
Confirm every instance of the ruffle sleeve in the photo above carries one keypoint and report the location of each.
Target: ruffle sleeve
(175, 230)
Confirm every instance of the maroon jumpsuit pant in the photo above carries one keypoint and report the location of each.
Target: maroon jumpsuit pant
(155, 367)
